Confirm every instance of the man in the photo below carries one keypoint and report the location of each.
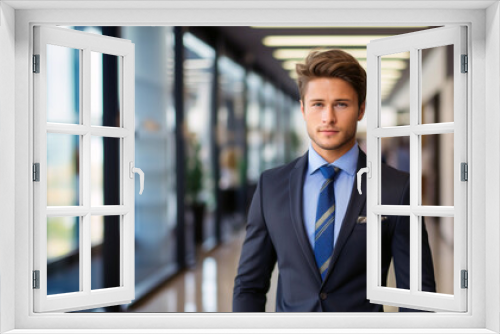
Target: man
(308, 216)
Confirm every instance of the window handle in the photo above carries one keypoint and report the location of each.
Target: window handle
(141, 175)
(366, 170)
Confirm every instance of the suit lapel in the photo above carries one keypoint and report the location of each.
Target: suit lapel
(354, 208)
(296, 185)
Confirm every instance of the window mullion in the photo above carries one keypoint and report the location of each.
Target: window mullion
(85, 181)
(127, 155)
(69, 129)
(414, 166)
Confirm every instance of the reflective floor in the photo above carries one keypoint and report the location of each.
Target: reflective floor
(208, 287)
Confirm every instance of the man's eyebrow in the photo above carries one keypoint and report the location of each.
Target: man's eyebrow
(339, 99)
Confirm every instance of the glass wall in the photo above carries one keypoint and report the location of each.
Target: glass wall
(200, 185)
(268, 123)
(156, 208)
(296, 135)
(254, 138)
(276, 132)
(282, 125)
(231, 141)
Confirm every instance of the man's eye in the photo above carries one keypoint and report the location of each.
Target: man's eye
(341, 105)
(317, 104)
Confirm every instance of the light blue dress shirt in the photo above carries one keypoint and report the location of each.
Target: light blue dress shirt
(342, 187)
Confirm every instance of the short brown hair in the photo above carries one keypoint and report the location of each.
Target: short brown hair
(332, 64)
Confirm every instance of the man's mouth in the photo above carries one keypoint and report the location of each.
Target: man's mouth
(329, 131)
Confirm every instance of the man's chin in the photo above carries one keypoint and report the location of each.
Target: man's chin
(330, 147)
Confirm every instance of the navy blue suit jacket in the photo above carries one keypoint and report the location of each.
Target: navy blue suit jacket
(275, 232)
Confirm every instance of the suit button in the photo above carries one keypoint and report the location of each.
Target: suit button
(323, 296)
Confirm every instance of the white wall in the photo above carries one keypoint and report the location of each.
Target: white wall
(285, 17)
(7, 159)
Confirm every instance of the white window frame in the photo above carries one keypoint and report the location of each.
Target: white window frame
(414, 43)
(484, 292)
(85, 43)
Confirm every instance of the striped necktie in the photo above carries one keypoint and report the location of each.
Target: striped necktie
(325, 221)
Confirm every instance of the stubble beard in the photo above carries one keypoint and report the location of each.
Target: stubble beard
(350, 138)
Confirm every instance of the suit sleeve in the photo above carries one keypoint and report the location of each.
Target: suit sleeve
(257, 261)
(401, 252)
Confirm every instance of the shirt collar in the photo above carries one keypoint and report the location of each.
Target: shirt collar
(347, 163)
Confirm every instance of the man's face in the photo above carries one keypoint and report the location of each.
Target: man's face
(330, 109)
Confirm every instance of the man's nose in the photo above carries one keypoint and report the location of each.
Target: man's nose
(328, 115)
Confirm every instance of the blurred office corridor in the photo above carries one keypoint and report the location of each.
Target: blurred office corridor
(214, 108)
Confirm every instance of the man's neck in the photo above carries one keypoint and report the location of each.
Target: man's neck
(332, 155)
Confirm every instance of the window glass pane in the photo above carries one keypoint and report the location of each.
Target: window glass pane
(63, 84)
(395, 153)
(200, 186)
(254, 141)
(268, 126)
(232, 137)
(395, 89)
(105, 171)
(106, 260)
(106, 89)
(437, 84)
(395, 252)
(156, 241)
(63, 169)
(437, 169)
(441, 242)
(281, 125)
(63, 255)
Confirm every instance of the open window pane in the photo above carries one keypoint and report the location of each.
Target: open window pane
(105, 171)
(394, 69)
(63, 169)
(437, 169)
(106, 89)
(437, 84)
(63, 84)
(106, 259)
(437, 148)
(64, 198)
(441, 242)
(63, 255)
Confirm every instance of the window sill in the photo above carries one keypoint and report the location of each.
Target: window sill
(248, 331)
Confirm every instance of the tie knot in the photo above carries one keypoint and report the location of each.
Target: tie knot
(329, 171)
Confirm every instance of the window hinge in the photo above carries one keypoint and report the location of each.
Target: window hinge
(465, 279)
(36, 172)
(464, 171)
(36, 63)
(36, 279)
(465, 64)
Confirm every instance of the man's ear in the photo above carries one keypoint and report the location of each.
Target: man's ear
(361, 111)
(302, 108)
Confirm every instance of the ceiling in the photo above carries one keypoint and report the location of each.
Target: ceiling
(246, 45)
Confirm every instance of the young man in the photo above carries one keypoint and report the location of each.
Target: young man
(308, 215)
